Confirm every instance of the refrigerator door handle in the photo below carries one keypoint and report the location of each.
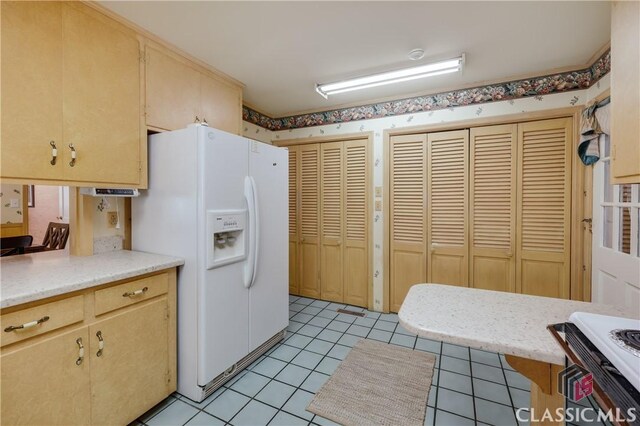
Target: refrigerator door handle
(255, 230)
(250, 197)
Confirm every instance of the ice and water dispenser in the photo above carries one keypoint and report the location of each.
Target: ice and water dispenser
(225, 237)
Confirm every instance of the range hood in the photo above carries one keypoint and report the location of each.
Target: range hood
(110, 192)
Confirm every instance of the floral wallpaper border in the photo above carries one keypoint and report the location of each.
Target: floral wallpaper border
(535, 86)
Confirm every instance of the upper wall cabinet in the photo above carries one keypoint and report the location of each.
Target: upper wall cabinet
(71, 106)
(178, 92)
(625, 89)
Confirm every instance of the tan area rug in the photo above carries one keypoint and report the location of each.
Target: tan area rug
(377, 384)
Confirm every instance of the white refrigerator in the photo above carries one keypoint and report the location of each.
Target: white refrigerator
(220, 202)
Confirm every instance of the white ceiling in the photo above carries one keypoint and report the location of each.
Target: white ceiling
(280, 50)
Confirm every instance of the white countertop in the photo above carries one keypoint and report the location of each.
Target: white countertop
(30, 277)
(508, 323)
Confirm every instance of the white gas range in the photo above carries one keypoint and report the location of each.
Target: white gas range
(609, 348)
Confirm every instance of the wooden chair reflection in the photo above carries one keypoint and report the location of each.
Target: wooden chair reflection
(56, 236)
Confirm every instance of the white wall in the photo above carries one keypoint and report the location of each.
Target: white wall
(377, 126)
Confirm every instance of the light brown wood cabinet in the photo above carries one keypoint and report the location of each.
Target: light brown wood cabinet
(104, 356)
(625, 92)
(71, 76)
(178, 92)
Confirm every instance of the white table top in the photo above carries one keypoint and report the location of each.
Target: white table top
(30, 277)
(508, 323)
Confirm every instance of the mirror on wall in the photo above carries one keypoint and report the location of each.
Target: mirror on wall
(33, 218)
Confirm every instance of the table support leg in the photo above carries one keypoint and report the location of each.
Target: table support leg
(544, 387)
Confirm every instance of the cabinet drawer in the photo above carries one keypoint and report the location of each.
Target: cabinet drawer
(129, 293)
(40, 319)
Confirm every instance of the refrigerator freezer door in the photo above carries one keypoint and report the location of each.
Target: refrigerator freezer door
(268, 295)
(223, 301)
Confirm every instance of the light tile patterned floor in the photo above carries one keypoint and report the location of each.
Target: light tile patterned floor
(469, 386)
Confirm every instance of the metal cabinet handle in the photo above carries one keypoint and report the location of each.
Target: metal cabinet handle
(204, 122)
(54, 153)
(197, 120)
(26, 325)
(100, 343)
(80, 351)
(135, 293)
(73, 155)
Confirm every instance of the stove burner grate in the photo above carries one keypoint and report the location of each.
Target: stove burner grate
(627, 339)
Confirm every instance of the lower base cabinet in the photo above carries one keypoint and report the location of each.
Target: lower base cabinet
(43, 384)
(108, 369)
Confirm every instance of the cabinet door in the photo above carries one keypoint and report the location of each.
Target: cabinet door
(172, 91)
(294, 200)
(493, 207)
(31, 89)
(447, 160)
(221, 104)
(408, 183)
(132, 373)
(625, 86)
(357, 211)
(331, 221)
(42, 384)
(101, 102)
(544, 208)
(309, 221)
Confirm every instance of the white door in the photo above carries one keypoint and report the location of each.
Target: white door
(268, 296)
(223, 300)
(616, 228)
(63, 204)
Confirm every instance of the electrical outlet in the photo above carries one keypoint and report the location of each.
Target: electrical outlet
(112, 219)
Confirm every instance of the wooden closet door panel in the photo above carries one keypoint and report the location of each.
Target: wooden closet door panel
(544, 208)
(310, 220)
(101, 102)
(408, 225)
(492, 209)
(31, 89)
(331, 221)
(356, 215)
(294, 185)
(447, 189)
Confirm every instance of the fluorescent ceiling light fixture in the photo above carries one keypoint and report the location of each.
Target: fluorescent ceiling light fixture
(398, 76)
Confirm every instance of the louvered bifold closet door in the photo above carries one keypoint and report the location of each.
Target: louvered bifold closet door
(356, 213)
(492, 209)
(407, 207)
(447, 189)
(331, 221)
(309, 262)
(544, 208)
(294, 200)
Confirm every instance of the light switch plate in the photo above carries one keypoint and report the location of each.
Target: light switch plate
(15, 203)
